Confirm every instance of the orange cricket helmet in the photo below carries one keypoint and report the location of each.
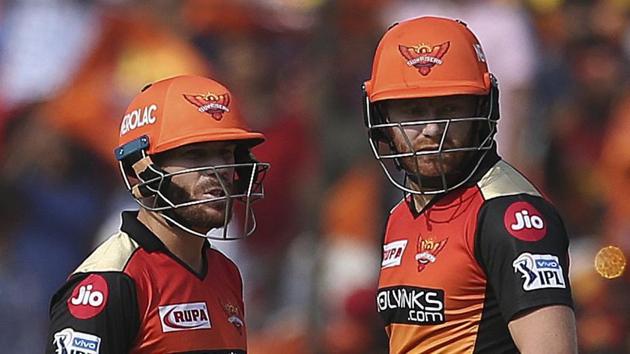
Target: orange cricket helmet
(183, 110)
(428, 57)
(179, 111)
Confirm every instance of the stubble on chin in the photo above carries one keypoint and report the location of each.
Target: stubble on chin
(201, 217)
(433, 166)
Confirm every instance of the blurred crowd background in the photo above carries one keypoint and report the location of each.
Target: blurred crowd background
(68, 68)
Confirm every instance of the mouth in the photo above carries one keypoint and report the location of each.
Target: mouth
(428, 148)
(215, 193)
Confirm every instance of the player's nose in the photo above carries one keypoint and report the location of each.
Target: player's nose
(433, 130)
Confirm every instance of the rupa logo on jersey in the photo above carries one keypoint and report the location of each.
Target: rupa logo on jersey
(524, 222)
(89, 297)
(184, 317)
(213, 104)
(69, 341)
(424, 57)
(428, 250)
(411, 305)
(540, 271)
(392, 253)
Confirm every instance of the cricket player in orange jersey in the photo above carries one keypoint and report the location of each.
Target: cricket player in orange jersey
(474, 257)
(157, 285)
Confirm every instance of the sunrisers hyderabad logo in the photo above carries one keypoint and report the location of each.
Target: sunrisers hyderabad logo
(234, 316)
(424, 57)
(428, 250)
(213, 104)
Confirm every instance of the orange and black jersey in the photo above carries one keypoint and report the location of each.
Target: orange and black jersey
(131, 295)
(454, 275)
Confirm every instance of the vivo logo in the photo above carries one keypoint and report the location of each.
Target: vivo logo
(85, 344)
(539, 271)
(69, 341)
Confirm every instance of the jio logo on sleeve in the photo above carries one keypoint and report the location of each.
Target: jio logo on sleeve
(524, 222)
(89, 297)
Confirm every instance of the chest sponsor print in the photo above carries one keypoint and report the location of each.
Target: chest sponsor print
(184, 317)
(411, 305)
(539, 271)
(392, 253)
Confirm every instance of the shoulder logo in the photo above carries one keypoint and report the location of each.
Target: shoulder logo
(184, 317)
(70, 341)
(428, 250)
(89, 297)
(213, 104)
(424, 57)
(392, 253)
(524, 222)
(539, 271)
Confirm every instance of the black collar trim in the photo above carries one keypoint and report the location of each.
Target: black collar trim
(151, 243)
(488, 161)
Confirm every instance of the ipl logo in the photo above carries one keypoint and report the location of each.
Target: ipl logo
(214, 105)
(424, 57)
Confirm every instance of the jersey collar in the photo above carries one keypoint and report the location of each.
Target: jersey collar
(151, 243)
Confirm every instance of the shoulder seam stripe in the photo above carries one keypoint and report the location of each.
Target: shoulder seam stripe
(503, 180)
(112, 255)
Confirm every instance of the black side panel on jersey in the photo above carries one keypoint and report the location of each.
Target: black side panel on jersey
(522, 245)
(112, 322)
(493, 335)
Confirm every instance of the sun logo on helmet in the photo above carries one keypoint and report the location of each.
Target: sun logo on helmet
(213, 104)
(424, 57)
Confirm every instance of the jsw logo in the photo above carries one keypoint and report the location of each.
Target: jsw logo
(88, 297)
(525, 221)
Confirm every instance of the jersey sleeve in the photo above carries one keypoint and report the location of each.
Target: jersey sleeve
(522, 245)
(94, 313)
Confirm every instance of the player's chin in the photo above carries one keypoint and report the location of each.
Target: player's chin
(205, 217)
(433, 166)
(215, 213)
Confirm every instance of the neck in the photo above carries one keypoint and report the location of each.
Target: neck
(419, 200)
(188, 248)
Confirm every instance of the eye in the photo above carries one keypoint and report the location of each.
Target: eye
(195, 153)
(449, 109)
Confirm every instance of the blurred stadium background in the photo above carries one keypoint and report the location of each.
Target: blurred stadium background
(69, 67)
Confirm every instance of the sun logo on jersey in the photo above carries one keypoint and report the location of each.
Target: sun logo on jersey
(428, 250)
(424, 57)
(213, 104)
(234, 316)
